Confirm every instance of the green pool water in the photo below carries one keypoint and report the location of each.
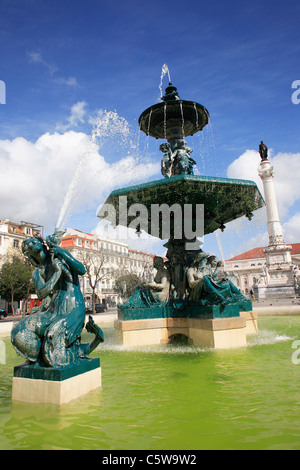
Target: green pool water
(171, 398)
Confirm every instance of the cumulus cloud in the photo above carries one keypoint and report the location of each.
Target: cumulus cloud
(291, 229)
(38, 177)
(77, 116)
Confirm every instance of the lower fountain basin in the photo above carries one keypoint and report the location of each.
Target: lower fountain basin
(223, 199)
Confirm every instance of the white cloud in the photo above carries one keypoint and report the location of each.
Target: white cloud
(36, 176)
(77, 113)
(291, 229)
(77, 116)
(70, 81)
(37, 58)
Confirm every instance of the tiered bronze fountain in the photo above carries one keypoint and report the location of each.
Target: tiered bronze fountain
(190, 295)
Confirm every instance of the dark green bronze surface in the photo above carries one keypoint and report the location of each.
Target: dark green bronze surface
(51, 335)
(35, 371)
(224, 199)
(188, 116)
(205, 312)
(173, 117)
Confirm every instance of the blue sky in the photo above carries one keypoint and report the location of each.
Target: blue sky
(63, 61)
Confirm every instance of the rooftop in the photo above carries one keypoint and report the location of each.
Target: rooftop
(258, 253)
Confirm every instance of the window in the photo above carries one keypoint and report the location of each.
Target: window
(79, 242)
(28, 230)
(16, 243)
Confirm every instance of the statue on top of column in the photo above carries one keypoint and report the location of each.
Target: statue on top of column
(263, 151)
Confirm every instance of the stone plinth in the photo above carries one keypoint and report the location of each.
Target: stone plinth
(35, 384)
(217, 333)
(274, 292)
(251, 322)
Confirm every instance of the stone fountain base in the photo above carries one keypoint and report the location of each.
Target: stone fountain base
(217, 333)
(35, 384)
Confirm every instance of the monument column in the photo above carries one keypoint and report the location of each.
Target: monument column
(266, 173)
(279, 278)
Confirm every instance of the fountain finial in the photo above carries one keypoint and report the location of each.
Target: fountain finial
(171, 93)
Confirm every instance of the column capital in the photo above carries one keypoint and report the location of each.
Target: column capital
(266, 170)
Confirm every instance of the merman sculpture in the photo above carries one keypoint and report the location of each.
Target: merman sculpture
(205, 287)
(50, 335)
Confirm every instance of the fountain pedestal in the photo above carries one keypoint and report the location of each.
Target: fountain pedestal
(218, 333)
(214, 326)
(35, 384)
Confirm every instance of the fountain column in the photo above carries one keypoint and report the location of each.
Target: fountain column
(279, 278)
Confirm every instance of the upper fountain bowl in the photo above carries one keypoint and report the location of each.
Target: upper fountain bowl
(173, 118)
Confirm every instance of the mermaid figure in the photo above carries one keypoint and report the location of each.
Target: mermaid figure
(50, 335)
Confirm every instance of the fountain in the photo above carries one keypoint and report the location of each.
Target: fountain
(166, 397)
(189, 295)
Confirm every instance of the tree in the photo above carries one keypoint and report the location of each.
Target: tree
(15, 280)
(94, 263)
(126, 284)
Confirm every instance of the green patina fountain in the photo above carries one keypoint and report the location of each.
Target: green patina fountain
(190, 284)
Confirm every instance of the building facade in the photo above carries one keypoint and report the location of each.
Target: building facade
(106, 260)
(12, 234)
(249, 270)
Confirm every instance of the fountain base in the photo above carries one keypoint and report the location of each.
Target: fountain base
(214, 332)
(35, 384)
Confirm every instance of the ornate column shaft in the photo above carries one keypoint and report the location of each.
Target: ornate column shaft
(266, 173)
